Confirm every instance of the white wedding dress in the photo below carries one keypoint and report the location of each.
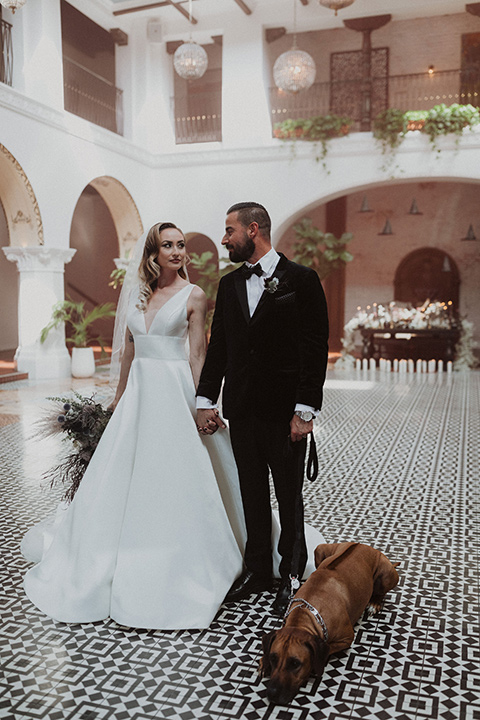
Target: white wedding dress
(155, 534)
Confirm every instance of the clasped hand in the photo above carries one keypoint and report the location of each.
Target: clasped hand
(299, 429)
(208, 421)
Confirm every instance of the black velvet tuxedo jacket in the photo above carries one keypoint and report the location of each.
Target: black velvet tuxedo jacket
(274, 359)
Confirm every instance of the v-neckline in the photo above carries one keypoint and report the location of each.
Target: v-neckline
(147, 331)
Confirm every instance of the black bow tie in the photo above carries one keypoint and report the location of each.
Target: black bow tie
(254, 270)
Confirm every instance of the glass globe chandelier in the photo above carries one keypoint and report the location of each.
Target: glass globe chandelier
(13, 4)
(336, 4)
(190, 59)
(295, 69)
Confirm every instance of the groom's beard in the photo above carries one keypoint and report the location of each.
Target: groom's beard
(242, 252)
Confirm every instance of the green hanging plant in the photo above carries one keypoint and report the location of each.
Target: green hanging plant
(443, 120)
(390, 126)
(317, 129)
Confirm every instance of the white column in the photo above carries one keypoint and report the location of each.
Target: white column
(245, 107)
(144, 72)
(43, 58)
(40, 286)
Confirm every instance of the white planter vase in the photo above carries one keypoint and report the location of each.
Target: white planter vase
(83, 362)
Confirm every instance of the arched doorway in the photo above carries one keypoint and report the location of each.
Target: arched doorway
(427, 274)
(20, 226)
(105, 225)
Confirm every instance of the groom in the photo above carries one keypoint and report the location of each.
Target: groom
(269, 342)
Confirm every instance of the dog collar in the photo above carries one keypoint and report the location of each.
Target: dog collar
(304, 604)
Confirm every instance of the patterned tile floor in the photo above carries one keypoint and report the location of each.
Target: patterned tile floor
(399, 469)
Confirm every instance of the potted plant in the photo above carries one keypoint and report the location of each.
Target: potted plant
(443, 120)
(80, 320)
(308, 249)
(319, 128)
(390, 126)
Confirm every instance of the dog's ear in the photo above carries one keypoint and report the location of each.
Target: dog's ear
(320, 651)
(265, 667)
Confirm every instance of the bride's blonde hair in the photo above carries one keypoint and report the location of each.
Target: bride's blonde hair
(149, 269)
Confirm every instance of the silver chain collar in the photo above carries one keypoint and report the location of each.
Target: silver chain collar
(305, 604)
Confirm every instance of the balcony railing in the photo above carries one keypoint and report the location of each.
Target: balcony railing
(198, 117)
(6, 53)
(92, 97)
(419, 91)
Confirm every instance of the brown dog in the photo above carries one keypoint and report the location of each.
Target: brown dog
(320, 619)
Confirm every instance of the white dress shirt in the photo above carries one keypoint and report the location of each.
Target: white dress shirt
(255, 288)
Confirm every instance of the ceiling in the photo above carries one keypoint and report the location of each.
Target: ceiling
(310, 15)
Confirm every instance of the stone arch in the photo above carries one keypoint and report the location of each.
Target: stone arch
(122, 208)
(22, 214)
(427, 274)
(105, 226)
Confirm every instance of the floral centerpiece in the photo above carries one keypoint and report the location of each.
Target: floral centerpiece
(83, 421)
(429, 315)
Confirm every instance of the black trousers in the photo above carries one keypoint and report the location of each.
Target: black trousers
(259, 446)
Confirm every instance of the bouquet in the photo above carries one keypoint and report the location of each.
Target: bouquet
(83, 421)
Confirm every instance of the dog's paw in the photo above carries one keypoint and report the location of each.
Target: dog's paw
(373, 608)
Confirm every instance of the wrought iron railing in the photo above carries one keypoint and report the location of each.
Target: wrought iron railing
(198, 117)
(92, 97)
(6, 53)
(420, 91)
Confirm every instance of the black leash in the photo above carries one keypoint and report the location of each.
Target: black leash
(297, 452)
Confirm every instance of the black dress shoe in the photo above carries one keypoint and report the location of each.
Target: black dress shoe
(248, 583)
(282, 598)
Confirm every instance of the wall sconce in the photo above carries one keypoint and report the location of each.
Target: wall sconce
(387, 228)
(446, 265)
(470, 234)
(431, 70)
(364, 207)
(414, 208)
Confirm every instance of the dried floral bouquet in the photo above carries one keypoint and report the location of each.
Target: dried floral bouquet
(83, 421)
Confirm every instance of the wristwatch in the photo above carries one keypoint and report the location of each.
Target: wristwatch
(305, 415)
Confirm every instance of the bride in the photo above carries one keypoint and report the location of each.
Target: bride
(155, 534)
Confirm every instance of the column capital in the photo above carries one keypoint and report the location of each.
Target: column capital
(39, 259)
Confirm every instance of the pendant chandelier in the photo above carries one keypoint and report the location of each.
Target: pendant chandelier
(13, 4)
(190, 59)
(295, 69)
(336, 4)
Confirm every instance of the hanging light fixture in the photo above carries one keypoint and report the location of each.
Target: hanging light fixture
(13, 4)
(446, 267)
(336, 4)
(295, 69)
(387, 228)
(470, 234)
(190, 59)
(364, 207)
(414, 208)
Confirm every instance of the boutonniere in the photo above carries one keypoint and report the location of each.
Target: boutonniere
(271, 284)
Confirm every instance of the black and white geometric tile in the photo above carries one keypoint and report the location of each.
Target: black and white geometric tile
(399, 463)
